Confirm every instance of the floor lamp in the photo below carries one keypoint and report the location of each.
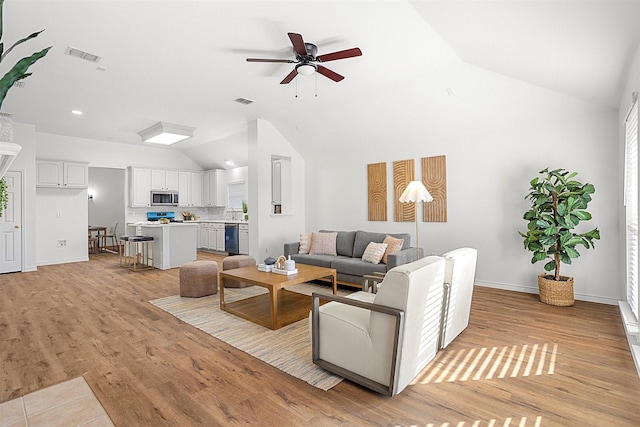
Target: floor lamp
(416, 192)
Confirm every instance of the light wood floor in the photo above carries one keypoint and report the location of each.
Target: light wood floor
(520, 362)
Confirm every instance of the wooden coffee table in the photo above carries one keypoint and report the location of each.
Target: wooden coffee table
(279, 307)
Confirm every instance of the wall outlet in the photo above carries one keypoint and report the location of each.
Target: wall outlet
(62, 243)
(59, 214)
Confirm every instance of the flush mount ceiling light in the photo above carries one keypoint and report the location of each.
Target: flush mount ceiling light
(229, 162)
(166, 133)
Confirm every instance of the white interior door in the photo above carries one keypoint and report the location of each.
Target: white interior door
(11, 225)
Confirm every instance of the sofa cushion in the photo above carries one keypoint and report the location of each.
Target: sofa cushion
(374, 252)
(317, 260)
(356, 266)
(344, 242)
(363, 238)
(305, 243)
(323, 244)
(393, 246)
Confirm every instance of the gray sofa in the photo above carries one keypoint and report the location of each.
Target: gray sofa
(350, 246)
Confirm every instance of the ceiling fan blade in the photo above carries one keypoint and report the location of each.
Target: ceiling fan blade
(298, 44)
(287, 61)
(292, 75)
(343, 54)
(328, 73)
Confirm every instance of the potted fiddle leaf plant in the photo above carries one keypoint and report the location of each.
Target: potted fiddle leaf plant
(17, 72)
(558, 205)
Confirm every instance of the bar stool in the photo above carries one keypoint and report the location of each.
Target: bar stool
(140, 252)
(123, 252)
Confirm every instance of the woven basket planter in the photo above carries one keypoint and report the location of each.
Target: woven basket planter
(555, 292)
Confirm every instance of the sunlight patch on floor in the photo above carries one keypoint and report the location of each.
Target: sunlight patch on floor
(507, 422)
(488, 363)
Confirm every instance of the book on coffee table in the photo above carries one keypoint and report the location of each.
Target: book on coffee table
(285, 272)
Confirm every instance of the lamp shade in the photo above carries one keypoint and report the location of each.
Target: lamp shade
(166, 133)
(415, 192)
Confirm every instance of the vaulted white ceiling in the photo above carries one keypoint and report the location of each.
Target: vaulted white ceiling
(184, 62)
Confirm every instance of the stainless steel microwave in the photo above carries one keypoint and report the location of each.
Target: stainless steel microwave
(164, 198)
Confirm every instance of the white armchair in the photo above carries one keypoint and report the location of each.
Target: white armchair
(382, 341)
(458, 282)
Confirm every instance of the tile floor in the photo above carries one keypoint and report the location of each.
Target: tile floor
(71, 403)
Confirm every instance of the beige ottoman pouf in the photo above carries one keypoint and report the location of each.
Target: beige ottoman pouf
(198, 279)
(236, 261)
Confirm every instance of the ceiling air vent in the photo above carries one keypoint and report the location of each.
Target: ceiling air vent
(244, 101)
(77, 53)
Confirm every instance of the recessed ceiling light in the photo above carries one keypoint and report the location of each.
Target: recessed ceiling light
(229, 162)
(76, 112)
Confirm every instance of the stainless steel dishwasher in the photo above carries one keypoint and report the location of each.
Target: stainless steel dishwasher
(231, 239)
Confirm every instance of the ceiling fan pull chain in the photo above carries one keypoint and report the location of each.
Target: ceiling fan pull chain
(297, 88)
(315, 75)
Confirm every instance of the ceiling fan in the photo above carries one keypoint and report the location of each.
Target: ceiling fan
(307, 61)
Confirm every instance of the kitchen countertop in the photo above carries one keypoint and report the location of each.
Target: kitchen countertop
(223, 221)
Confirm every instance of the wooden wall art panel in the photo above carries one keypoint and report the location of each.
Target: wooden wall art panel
(403, 174)
(434, 177)
(377, 191)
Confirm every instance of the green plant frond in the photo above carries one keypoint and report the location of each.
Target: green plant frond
(564, 258)
(534, 182)
(18, 72)
(541, 200)
(550, 266)
(589, 189)
(570, 221)
(573, 253)
(547, 240)
(532, 225)
(572, 175)
(550, 231)
(593, 234)
(562, 209)
(29, 37)
(574, 240)
(539, 256)
(582, 215)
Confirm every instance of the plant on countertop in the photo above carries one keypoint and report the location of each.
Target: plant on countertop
(244, 207)
(558, 205)
(17, 72)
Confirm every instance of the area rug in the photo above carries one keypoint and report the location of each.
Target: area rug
(288, 348)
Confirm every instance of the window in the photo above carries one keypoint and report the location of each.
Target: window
(236, 191)
(631, 206)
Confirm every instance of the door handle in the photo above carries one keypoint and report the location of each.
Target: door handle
(16, 226)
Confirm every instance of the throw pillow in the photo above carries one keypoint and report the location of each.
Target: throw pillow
(393, 246)
(374, 252)
(305, 243)
(323, 244)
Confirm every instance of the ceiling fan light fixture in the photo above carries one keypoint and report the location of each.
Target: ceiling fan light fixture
(166, 133)
(306, 69)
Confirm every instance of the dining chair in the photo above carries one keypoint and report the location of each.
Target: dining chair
(111, 234)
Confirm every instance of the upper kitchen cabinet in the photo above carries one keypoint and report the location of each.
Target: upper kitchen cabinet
(140, 191)
(214, 188)
(61, 174)
(164, 180)
(190, 189)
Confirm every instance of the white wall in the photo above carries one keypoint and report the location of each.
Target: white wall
(269, 232)
(489, 165)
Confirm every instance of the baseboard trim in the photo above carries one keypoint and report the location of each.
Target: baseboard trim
(534, 290)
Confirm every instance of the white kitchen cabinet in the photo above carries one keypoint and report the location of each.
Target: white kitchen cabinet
(203, 236)
(140, 187)
(164, 180)
(243, 239)
(220, 239)
(61, 174)
(214, 188)
(216, 237)
(189, 188)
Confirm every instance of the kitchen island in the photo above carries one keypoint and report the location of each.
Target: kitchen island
(173, 244)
